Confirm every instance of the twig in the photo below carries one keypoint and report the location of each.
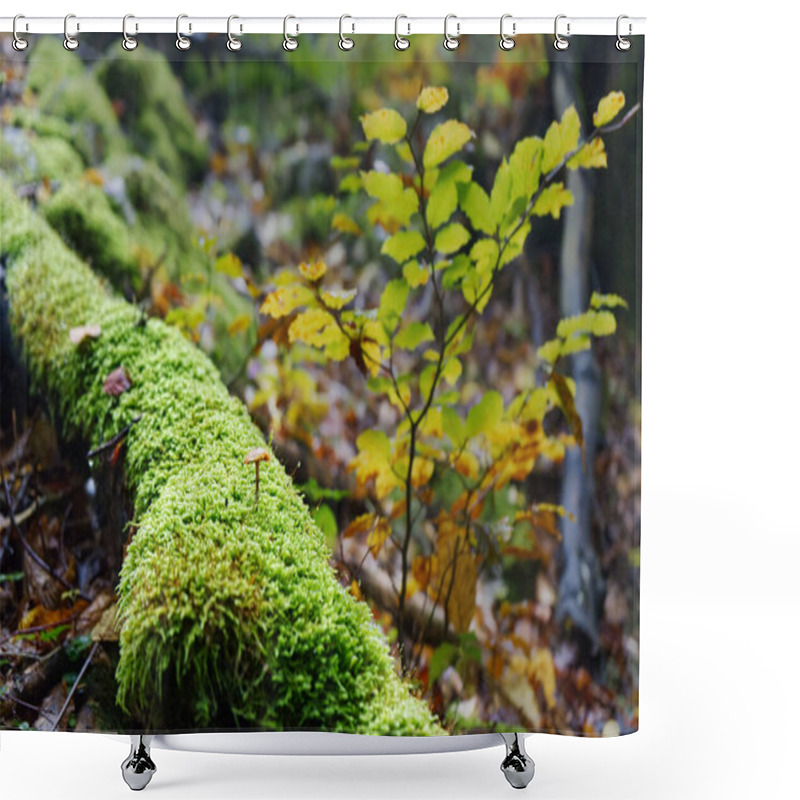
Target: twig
(39, 628)
(30, 706)
(114, 440)
(35, 557)
(75, 685)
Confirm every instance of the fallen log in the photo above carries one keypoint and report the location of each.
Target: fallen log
(229, 613)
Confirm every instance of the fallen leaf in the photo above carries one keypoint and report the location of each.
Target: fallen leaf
(117, 382)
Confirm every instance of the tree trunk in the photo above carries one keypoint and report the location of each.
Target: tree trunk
(581, 584)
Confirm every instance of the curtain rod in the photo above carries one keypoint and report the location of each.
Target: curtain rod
(296, 26)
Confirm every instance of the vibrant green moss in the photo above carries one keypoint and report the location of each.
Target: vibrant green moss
(82, 215)
(230, 613)
(154, 112)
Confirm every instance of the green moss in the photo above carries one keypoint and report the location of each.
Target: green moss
(82, 215)
(71, 93)
(230, 613)
(26, 157)
(154, 112)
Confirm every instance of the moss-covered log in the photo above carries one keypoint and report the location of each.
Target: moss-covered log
(230, 614)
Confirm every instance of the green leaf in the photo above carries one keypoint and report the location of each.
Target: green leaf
(485, 254)
(552, 200)
(384, 186)
(393, 303)
(442, 203)
(443, 656)
(453, 426)
(445, 140)
(426, 381)
(413, 335)
(385, 125)
(403, 245)
(606, 300)
(526, 166)
(455, 171)
(350, 183)
(500, 197)
(451, 371)
(415, 274)
(550, 351)
(326, 522)
(485, 414)
(451, 238)
(605, 323)
(230, 265)
(575, 344)
(453, 274)
(561, 139)
(608, 108)
(475, 204)
(515, 244)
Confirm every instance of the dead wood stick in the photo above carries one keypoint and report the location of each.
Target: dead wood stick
(114, 440)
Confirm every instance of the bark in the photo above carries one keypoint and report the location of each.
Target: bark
(230, 615)
(581, 584)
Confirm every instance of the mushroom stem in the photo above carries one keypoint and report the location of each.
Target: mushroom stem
(257, 466)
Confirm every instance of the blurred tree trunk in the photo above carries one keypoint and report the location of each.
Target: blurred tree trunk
(581, 585)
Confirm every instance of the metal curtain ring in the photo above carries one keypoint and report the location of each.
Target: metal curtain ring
(400, 42)
(19, 44)
(345, 42)
(289, 42)
(507, 42)
(560, 43)
(70, 42)
(234, 44)
(451, 42)
(623, 44)
(181, 42)
(129, 42)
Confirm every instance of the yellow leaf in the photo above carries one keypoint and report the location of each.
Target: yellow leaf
(286, 299)
(374, 461)
(385, 125)
(239, 325)
(542, 670)
(337, 298)
(561, 139)
(378, 535)
(432, 98)
(456, 576)
(313, 272)
(592, 155)
(466, 464)
(229, 264)
(360, 524)
(317, 328)
(552, 200)
(451, 371)
(445, 140)
(421, 472)
(341, 222)
(608, 108)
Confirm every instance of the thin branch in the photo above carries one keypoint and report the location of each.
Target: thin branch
(75, 685)
(114, 440)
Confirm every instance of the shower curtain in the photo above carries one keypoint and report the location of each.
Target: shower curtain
(320, 385)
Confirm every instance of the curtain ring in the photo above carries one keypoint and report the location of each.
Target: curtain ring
(507, 42)
(289, 42)
(129, 42)
(70, 42)
(345, 42)
(451, 42)
(234, 44)
(560, 43)
(181, 42)
(19, 43)
(622, 43)
(400, 42)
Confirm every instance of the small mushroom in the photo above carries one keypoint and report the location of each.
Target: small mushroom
(256, 456)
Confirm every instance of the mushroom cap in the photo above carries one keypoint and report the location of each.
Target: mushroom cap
(257, 454)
